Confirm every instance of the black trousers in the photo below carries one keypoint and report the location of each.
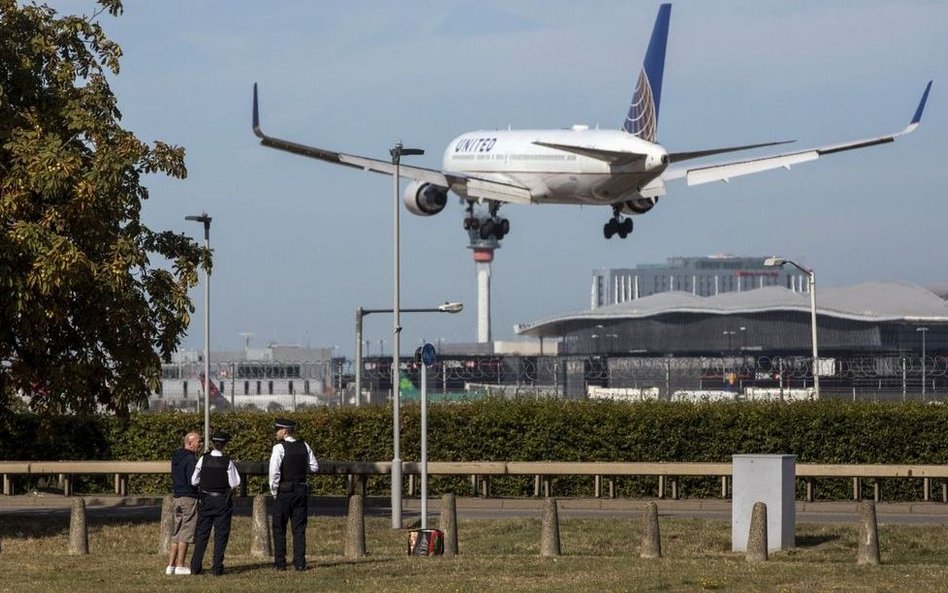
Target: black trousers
(290, 506)
(216, 512)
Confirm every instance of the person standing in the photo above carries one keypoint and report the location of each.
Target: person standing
(290, 462)
(216, 475)
(184, 503)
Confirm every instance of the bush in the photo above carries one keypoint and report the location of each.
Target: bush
(527, 429)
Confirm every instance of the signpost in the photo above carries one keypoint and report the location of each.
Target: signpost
(428, 357)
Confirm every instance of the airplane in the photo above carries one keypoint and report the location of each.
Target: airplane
(625, 169)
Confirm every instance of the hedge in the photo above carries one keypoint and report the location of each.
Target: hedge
(526, 430)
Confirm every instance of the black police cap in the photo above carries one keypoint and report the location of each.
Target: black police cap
(283, 423)
(220, 437)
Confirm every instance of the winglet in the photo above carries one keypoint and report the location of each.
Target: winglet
(256, 115)
(642, 119)
(921, 104)
(917, 118)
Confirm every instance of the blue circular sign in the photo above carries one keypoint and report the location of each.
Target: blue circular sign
(428, 355)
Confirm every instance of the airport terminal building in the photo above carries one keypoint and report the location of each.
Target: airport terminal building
(873, 318)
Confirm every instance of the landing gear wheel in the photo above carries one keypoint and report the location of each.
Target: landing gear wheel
(626, 227)
(610, 228)
(467, 224)
(487, 229)
(504, 227)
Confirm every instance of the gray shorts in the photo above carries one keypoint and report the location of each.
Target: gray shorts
(184, 511)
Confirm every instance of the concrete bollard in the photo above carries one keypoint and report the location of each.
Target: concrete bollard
(78, 533)
(165, 524)
(757, 537)
(868, 535)
(651, 537)
(448, 523)
(260, 529)
(355, 527)
(550, 532)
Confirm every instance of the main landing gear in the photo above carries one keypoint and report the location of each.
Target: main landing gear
(494, 226)
(617, 225)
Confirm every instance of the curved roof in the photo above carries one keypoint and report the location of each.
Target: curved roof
(869, 302)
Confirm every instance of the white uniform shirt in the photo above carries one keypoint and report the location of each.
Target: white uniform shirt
(233, 478)
(276, 460)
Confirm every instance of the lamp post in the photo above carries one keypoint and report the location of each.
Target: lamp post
(397, 152)
(923, 331)
(811, 276)
(206, 220)
(362, 312)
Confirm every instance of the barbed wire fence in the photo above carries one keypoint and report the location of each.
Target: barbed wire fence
(293, 385)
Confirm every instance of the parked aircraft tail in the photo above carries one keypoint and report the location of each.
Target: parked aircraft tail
(642, 120)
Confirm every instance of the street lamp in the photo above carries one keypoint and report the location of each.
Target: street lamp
(397, 152)
(206, 220)
(362, 312)
(780, 262)
(923, 330)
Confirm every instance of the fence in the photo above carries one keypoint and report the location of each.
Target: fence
(480, 472)
(291, 385)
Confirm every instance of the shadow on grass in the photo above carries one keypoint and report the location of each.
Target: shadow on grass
(52, 524)
(268, 566)
(350, 562)
(813, 541)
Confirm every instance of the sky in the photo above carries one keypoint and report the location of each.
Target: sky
(299, 244)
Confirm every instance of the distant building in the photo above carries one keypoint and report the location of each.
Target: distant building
(275, 377)
(700, 276)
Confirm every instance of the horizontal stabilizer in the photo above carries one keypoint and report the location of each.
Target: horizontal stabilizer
(612, 157)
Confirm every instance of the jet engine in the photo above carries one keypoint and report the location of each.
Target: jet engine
(425, 199)
(639, 205)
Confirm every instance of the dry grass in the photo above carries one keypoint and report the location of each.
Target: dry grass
(501, 555)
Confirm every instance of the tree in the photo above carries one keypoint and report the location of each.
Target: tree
(85, 316)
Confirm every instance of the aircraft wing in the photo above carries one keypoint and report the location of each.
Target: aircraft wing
(502, 190)
(725, 171)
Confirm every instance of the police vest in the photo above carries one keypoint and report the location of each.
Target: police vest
(214, 473)
(295, 464)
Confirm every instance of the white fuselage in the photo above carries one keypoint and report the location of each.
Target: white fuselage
(558, 175)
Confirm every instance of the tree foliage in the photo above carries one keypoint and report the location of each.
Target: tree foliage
(85, 317)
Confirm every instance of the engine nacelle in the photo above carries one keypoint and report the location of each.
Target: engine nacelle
(425, 199)
(639, 205)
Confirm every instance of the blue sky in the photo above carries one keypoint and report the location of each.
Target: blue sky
(299, 244)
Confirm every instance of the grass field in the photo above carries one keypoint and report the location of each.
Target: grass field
(502, 555)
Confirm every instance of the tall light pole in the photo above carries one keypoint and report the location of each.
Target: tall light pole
(923, 330)
(780, 262)
(362, 312)
(397, 152)
(206, 220)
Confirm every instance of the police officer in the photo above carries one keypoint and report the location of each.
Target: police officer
(215, 475)
(290, 461)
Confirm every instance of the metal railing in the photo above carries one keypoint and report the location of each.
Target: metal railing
(481, 472)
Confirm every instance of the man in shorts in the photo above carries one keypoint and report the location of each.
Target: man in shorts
(184, 505)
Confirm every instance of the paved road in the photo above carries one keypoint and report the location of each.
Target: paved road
(497, 508)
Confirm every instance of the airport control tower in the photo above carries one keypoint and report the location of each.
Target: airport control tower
(483, 256)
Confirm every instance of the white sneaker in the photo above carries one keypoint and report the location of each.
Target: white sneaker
(182, 570)
(169, 570)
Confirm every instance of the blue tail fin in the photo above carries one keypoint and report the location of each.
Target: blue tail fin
(642, 119)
